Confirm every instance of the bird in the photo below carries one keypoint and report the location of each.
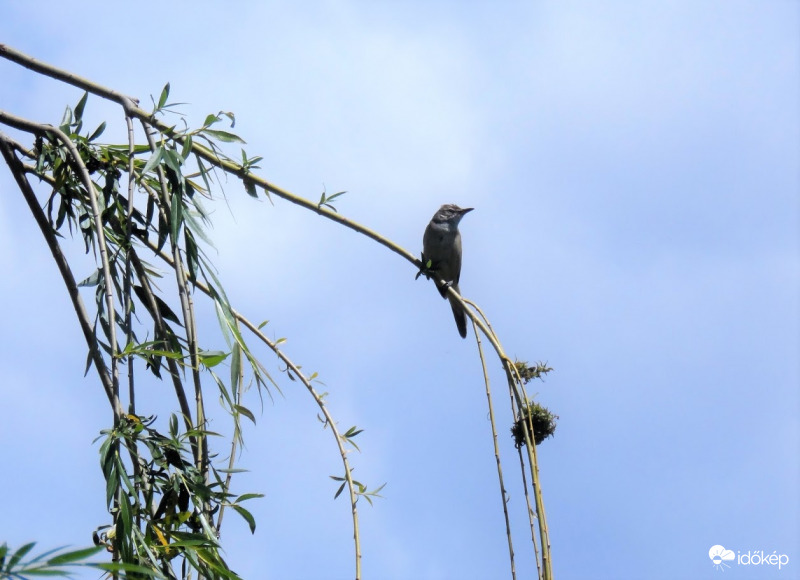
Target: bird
(441, 244)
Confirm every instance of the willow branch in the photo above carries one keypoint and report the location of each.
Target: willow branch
(174, 372)
(503, 493)
(295, 371)
(531, 514)
(228, 165)
(128, 301)
(517, 385)
(329, 420)
(65, 76)
(235, 437)
(86, 180)
(201, 459)
(520, 396)
(18, 171)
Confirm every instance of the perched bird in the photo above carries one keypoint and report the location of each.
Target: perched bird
(441, 244)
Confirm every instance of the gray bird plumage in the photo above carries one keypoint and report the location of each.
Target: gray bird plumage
(441, 244)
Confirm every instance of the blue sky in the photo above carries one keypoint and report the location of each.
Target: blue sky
(635, 170)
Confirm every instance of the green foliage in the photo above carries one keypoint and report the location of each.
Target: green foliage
(130, 204)
(60, 563)
(532, 413)
(544, 424)
(426, 268)
(529, 372)
(164, 493)
(361, 489)
(325, 199)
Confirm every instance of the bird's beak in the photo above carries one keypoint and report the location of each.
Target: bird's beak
(466, 210)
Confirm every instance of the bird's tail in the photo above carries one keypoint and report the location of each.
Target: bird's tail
(460, 316)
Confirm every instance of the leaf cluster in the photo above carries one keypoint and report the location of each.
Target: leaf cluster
(165, 493)
(165, 509)
(543, 421)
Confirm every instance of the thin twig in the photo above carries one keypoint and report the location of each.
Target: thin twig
(18, 171)
(531, 514)
(503, 492)
(201, 459)
(234, 437)
(520, 397)
(127, 299)
(86, 180)
(292, 368)
(517, 386)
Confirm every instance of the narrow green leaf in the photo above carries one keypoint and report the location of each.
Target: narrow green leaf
(250, 187)
(111, 484)
(164, 311)
(174, 161)
(251, 521)
(246, 412)
(236, 368)
(191, 254)
(212, 358)
(91, 280)
(80, 107)
(187, 147)
(163, 231)
(120, 567)
(154, 160)
(74, 556)
(89, 361)
(173, 425)
(193, 224)
(339, 491)
(162, 100)
(236, 470)
(98, 131)
(42, 572)
(125, 514)
(44, 555)
(176, 216)
(224, 136)
(19, 554)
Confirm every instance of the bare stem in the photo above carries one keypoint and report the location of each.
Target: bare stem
(520, 397)
(128, 305)
(503, 493)
(234, 438)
